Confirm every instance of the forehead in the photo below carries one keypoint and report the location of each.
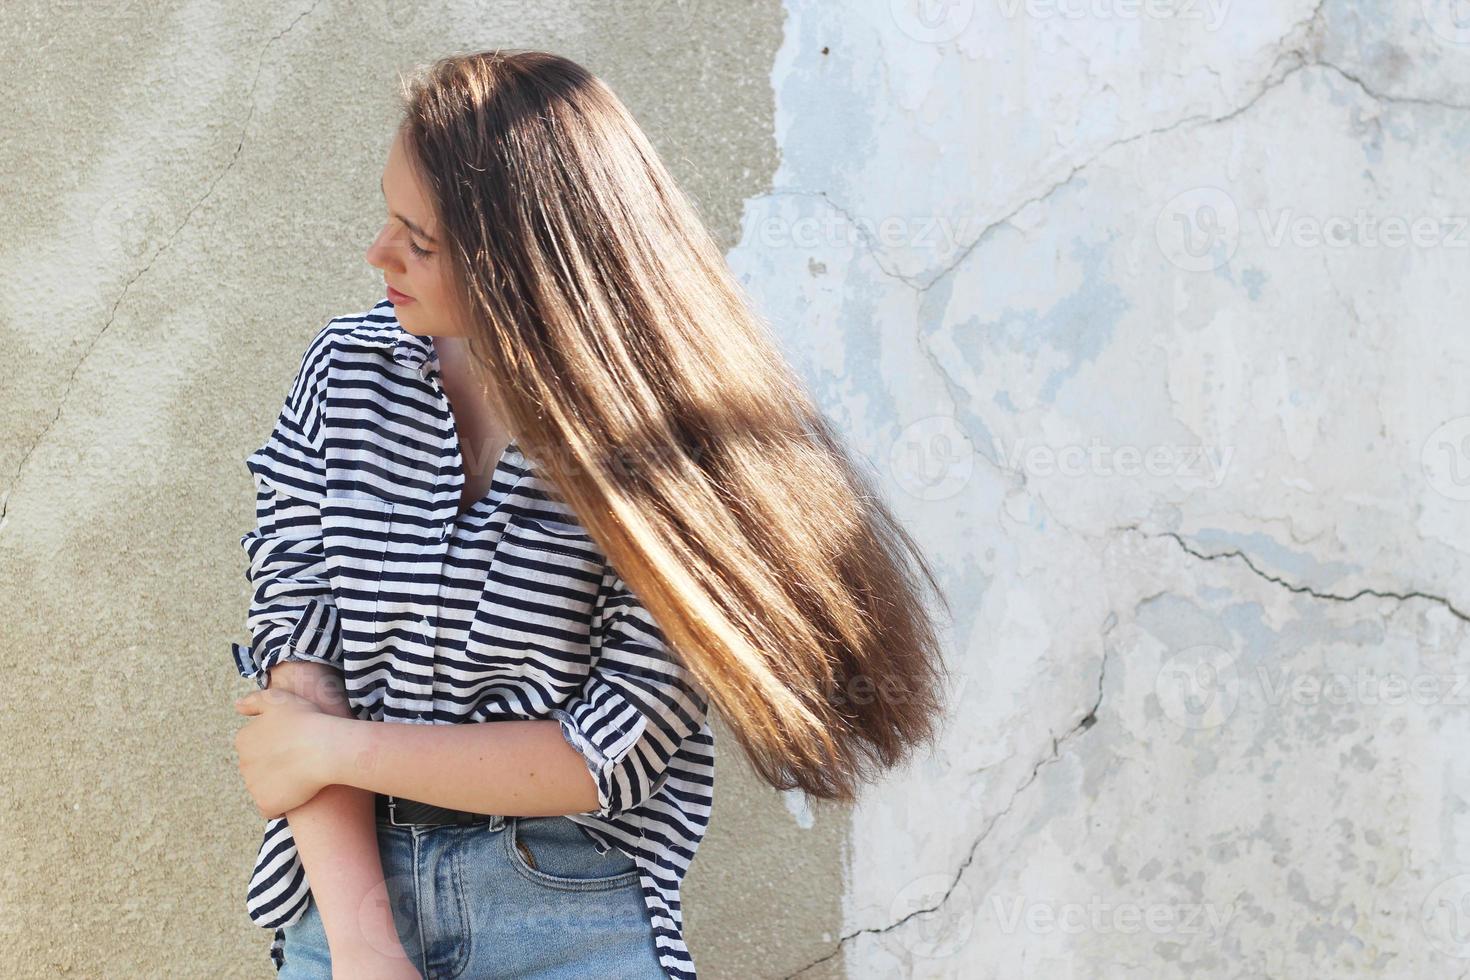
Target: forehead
(401, 181)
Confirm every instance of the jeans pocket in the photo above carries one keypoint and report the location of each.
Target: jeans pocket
(555, 853)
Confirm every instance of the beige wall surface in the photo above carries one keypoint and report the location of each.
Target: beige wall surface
(190, 190)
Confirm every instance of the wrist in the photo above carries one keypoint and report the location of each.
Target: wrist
(334, 741)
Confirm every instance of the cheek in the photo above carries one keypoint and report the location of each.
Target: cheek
(418, 283)
(433, 284)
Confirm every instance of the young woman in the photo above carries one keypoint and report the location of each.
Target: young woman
(561, 480)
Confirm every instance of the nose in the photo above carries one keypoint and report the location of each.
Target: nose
(379, 255)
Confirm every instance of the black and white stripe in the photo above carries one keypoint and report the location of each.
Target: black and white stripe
(360, 559)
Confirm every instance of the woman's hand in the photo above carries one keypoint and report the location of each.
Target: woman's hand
(284, 750)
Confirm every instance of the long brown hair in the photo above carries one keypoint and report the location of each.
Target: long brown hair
(625, 359)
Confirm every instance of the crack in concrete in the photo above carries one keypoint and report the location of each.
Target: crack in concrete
(1087, 721)
(920, 286)
(1287, 63)
(1378, 96)
(112, 313)
(1272, 82)
(1295, 56)
(1292, 587)
(1296, 60)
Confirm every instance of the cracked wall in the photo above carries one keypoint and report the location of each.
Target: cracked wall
(1145, 314)
(1143, 317)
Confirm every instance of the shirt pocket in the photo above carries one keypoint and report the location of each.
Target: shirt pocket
(356, 528)
(533, 622)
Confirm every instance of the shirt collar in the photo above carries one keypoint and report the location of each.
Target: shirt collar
(380, 328)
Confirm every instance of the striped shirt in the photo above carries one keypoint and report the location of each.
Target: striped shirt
(360, 559)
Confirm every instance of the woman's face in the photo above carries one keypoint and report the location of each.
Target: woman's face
(409, 253)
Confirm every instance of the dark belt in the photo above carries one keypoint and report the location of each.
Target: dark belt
(403, 813)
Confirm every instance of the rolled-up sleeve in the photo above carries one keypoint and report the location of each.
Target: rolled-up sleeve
(638, 704)
(292, 614)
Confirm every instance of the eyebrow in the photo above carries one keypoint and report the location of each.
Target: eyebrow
(411, 226)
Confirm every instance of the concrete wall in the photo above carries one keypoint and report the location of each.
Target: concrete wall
(1146, 312)
(1150, 314)
(192, 187)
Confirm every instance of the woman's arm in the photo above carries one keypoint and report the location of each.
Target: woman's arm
(337, 841)
(296, 646)
(513, 768)
(606, 751)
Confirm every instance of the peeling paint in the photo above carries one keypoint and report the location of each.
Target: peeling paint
(1225, 698)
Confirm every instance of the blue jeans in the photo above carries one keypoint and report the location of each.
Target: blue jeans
(512, 897)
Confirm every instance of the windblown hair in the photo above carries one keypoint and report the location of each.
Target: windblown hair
(623, 356)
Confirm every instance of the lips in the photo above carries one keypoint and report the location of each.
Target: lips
(397, 298)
